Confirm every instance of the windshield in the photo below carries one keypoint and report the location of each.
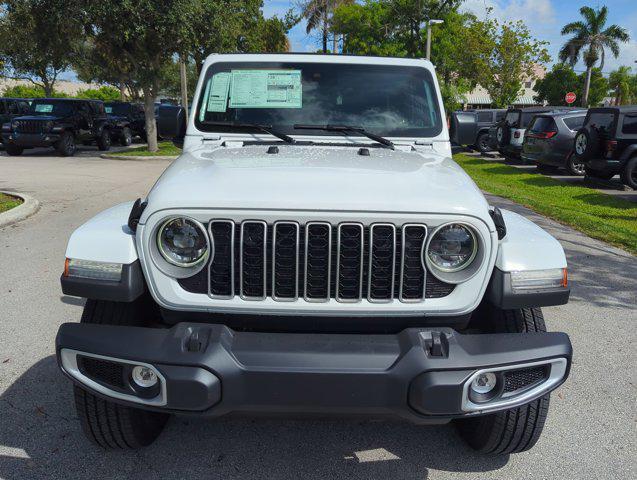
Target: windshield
(51, 107)
(117, 108)
(386, 100)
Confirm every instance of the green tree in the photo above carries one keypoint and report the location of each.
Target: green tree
(504, 55)
(145, 35)
(31, 91)
(598, 88)
(105, 93)
(319, 15)
(620, 81)
(367, 29)
(553, 88)
(589, 40)
(38, 39)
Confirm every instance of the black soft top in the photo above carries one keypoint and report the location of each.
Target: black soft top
(620, 109)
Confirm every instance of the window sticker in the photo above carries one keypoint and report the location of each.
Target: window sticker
(266, 89)
(43, 108)
(108, 109)
(219, 87)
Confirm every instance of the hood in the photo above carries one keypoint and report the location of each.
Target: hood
(317, 178)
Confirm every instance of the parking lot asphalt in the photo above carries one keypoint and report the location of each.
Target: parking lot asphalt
(590, 432)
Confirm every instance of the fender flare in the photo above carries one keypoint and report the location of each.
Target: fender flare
(106, 238)
(526, 247)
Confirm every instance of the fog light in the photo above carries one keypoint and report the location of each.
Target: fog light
(144, 376)
(484, 383)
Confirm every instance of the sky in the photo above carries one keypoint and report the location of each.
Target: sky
(545, 19)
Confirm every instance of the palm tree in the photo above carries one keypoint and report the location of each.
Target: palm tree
(590, 39)
(620, 81)
(318, 14)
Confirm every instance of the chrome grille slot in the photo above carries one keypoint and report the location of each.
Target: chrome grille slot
(412, 274)
(285, 261)
(318, 254)
(253, 263)
(349, 262)
(382, 266)
(222, 265)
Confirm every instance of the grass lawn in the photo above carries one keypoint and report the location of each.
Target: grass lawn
(7, 202)
(166, 149)
(594, 213)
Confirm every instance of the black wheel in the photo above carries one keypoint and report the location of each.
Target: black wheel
(575, 166)
(482, 143)
(126, 138)
(586, 144)
(108, 424)
(598, 174)
(66, 144)
(13, 150)
(517, 429)
(503, 135)
(629, 173)
(104, 140)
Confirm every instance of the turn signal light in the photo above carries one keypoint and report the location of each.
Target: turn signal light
(533, 280)
(96, 270)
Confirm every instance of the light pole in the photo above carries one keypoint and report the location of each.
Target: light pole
(429, 24)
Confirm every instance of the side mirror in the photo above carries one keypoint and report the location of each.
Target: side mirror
(171, 123)
(463, 128)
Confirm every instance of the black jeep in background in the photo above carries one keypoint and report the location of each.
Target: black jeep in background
(128, 121)
(474, 125)
(11, 108)
(607, 143)
(58, 123)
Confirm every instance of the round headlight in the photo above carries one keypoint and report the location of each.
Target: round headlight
(183, 242)
(452, 247)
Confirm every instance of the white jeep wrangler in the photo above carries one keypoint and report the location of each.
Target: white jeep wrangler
(314, 250)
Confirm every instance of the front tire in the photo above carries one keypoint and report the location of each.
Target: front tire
(14, 150)
(517, 429)
(629, 173)
(107, 424)
(66, 144)
(126, 138)
(104, 140)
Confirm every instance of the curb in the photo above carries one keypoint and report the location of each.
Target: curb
(137, 158)
(28, 207)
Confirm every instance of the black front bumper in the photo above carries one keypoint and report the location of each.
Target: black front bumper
(418, 374)
(28, 140)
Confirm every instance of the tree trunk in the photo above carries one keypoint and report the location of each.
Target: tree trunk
(587, 86)
(48, 88)
(122, 90)
(325, 35)
(151, 125)
(184, 86)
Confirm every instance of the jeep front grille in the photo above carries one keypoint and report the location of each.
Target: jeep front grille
(316, 262)
(29, 126)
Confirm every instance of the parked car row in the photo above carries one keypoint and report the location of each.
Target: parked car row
(598, 142)
(63, 123)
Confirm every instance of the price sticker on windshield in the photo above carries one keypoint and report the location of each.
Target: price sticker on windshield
(266, 89)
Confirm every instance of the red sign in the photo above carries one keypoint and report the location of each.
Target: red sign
(570, 97)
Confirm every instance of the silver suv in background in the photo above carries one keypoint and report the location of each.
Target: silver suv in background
(507, 136)
(548, 141)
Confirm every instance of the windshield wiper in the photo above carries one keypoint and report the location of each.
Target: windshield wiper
(263, 128)
(348, 128)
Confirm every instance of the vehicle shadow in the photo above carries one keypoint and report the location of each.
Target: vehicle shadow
(41, 438)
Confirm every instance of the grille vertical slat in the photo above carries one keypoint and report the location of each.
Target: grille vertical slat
(318, 253)
(382, 266)
(349, 262)
(412, 273)
(222, 265)
(253, 263)
(285, 261)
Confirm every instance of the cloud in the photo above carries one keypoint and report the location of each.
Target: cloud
(541, 10)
